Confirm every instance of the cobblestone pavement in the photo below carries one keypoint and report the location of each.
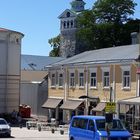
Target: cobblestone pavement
(25, 134)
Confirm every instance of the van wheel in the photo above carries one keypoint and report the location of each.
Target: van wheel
(71, 138)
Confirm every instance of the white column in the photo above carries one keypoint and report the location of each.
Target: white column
(114, 84)
(65, 84)
(86, 71)
(138, 85)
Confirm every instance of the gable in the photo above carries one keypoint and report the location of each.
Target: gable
(67, 13)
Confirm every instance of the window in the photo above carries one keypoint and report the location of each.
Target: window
(126, 79)
(68, 24)
(81, 79)
(91, 125)
(53, 80)
(17, 41)
(71, 23)
(68, 14)
(106, 81)
(116, 125)
(64, 24)
(80, 123)
(72, 80)
(83, 123)
(93, 81)
(60, 80)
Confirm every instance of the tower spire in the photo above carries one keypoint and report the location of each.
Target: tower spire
(77, 5)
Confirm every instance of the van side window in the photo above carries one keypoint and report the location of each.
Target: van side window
(83, 123)
(80, 123)
(75, 122)
(91, 125)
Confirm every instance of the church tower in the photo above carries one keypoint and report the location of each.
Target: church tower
(69, 45)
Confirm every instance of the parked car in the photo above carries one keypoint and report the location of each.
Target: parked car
(5, 129)
(94, 128)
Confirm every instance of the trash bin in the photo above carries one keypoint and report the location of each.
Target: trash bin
(25, 111)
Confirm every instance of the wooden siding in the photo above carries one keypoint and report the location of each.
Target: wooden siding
(103, 94)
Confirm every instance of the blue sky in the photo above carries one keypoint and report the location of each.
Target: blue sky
(37, 20)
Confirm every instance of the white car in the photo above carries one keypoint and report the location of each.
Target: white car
(5, 129)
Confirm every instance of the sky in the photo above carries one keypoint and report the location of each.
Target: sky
(38, 21)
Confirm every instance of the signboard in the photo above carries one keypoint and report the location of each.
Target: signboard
(110, 107)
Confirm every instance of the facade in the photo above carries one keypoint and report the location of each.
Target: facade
(70, 46)
(10, 50)
(81, 80)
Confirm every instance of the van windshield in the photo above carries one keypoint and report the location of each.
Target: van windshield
(116, 125)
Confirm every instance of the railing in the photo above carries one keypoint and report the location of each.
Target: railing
(48, 126)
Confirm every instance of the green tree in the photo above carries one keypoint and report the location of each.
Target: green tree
(55, 43)
(86, 29)
(114, 11)
(107, 24)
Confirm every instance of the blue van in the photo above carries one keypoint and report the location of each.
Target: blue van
(93, 128)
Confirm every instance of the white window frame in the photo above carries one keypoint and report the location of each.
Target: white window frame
(60, 80)
(126, 77)
(72, 79)
(53, 79)
(81, 79)
(93, 70)
(106, 78)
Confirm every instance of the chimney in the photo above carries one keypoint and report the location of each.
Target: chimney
(135, 37)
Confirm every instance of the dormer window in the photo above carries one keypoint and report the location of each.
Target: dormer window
(68, 14)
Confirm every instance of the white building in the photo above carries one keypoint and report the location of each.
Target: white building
(10, 59)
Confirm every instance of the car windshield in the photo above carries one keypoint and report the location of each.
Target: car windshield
(116, 125)
(2, 122)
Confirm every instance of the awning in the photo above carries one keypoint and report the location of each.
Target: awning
(130, 101)
(52, 103)
(71, 104)
(125, 108)
(100, 107)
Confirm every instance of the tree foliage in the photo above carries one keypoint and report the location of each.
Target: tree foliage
(114, 11)
(55, 43)
(107, 24)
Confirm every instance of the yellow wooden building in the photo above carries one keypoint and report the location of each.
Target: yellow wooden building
(83, 83)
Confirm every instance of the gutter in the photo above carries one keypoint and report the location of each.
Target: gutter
(113, 61)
